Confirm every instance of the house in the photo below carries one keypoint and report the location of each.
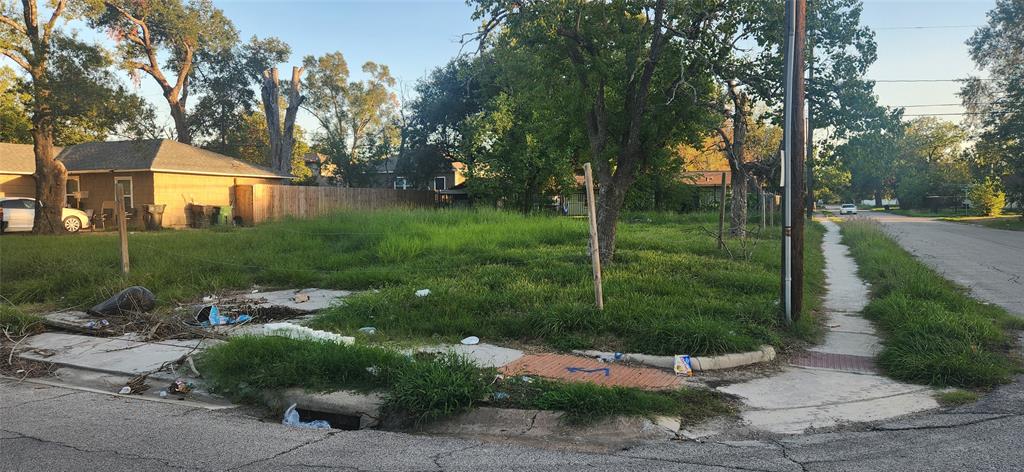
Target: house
(156, 171)
(447, 179)
(709, 184)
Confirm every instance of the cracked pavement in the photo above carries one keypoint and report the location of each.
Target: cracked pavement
(52, 428)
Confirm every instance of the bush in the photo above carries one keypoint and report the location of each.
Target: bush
(987, 198)
(16, 323)
(430, 389)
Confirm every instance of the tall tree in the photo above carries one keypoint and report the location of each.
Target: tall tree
(282, 139)
(15, 119)
(355, 117)
(181, 30)
(998, 101)
(26, 37)
(626, 59)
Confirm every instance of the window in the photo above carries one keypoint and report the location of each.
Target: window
(401, 183)
(18, 204)
(125, 184)
(71, 192)
(440, 183)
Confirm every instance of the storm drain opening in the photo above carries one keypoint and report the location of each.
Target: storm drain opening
(337, 420)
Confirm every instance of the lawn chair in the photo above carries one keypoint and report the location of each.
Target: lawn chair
(106, 213)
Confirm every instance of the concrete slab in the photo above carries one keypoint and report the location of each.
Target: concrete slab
(799, 388)
(111, 355)
(582, 369)
(365, 406)
(305, 300)
(484, 355)
(852, 344)
(846, 292)
(849, 323)
(798, 420)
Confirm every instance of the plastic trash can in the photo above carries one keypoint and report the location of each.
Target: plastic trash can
(224, 216)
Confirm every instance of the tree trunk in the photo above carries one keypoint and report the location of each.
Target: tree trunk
(609, 204)
(180, 121)
(282, 142)
(738, 212)
(878, 198)
(50, 176)
(295, 99)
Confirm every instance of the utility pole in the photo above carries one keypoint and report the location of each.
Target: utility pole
(811, 181)
(793, 161)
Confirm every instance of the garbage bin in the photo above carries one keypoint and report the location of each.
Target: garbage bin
(153, 215)
(224, 216)
(195, 214)
(208, 213)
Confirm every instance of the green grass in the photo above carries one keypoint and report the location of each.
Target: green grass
(424, 388)
(941, 213)
(17, 323)
(1008, 222)
(956, 398)
(587, 402)
(502, 276)
(934, 332)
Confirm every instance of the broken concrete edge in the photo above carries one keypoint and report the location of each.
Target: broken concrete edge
(80, 388)
(507, 423)
(699, 364)
(367, 406)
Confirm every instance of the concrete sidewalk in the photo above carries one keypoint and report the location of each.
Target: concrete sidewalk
(837, 381)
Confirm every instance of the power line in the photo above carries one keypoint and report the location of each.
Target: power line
(898, 81)
(960, 114)
(926, 27)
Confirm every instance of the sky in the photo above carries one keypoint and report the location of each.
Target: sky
(414, 36)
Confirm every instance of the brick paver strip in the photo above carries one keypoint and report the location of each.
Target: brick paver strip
(843, 362)
(582, 369)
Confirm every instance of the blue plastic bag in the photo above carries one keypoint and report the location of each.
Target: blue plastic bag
(291, 418)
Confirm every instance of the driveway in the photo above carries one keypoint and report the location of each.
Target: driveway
(990, 262)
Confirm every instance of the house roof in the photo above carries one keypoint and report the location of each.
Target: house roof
(707, 178)
(158, 155)
(18, 159)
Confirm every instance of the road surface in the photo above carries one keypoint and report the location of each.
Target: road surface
(990, 262)
(56, 429)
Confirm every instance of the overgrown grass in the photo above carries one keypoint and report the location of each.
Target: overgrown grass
(956, 398)
(934, 332)
(587, 402)
(502, 276)
(17, 323)
(424, 388)
(1008, 222)
(940, 213)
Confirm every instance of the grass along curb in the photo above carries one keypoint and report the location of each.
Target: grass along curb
(934, 333)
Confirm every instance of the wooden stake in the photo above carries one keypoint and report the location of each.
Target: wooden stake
(595, 251)
(122, 228)
(762, 209)
(721, 215)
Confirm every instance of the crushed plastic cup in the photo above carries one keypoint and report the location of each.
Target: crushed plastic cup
(163, 394)
(423, 292)
(682, 365)
(471, 341)
(291, 418)
(125, 390)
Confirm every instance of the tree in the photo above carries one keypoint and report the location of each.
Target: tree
(987, 198)
(356, 117)
(282, 141)
(183, 31)
(250, 141)
(998, 102)
(625, 61)
(26, 38)
(15, 122)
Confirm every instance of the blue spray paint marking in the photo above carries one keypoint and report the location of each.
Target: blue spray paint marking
(573, 370)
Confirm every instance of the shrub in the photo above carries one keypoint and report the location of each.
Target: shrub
(987, 198)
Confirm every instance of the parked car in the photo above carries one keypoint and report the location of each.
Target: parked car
(17, 214)
(848, 209)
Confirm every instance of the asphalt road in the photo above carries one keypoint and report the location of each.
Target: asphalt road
(56, 429)
(988, 261)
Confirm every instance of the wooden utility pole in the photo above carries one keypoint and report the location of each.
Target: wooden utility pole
(122, 228)
(810, 127)
(721, 215)
(595, 252)
(799, 140)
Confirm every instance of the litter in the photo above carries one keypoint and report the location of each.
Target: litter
(500, 396)
(526, 379)
(472, 340)
(833, 325)
(97, 324)
(370, 330)
(373, 370)
(295, 331)
(300, 298)
(210, 315)
(209, 298)
(682, 365)
(291, 418)
(163, 394)
(125, 390)
(180, 387)
(423, 292)
(131, 299)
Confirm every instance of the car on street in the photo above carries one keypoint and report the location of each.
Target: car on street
(848, 209)
(17, 214)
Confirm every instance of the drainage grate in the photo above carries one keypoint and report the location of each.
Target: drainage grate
(842, 362)
(337, 420)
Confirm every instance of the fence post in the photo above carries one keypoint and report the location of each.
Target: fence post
(122, 228)
(762, 208)
(595, 251)
(721, 215)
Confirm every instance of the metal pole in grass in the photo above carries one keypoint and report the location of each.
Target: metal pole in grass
(122, 227)
(595, 252)
(721, 214)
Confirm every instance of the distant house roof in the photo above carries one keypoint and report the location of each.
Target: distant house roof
(158, 155)
(707, 178)
(18, 159)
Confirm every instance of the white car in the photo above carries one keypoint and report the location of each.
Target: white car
(848, 209)
(18, 214)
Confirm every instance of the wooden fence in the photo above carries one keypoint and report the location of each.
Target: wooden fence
(258, 203)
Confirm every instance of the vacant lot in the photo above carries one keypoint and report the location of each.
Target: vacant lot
(500, 276)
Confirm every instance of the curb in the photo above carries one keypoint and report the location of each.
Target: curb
(699, 364)
(364, 409)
